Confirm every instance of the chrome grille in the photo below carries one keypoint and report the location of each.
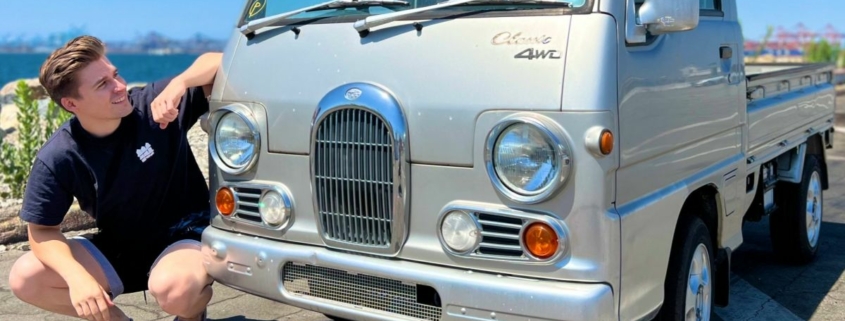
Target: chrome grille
(500, 235)
(247, 208)
(372, 292)
(353, 177)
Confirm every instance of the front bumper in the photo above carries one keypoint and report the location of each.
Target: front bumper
(368, 288)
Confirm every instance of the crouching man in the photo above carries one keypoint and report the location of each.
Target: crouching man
(125, 157)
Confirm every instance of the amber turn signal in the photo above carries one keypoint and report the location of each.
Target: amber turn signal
(606, 142)
(541, 240)
(225, 201)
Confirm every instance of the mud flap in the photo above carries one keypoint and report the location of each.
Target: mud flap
(723, 277)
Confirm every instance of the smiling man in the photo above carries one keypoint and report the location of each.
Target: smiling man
(126, 159)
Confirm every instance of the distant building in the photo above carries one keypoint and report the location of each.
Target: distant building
(789, 45)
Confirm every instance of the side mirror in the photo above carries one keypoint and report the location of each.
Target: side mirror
(661, 17)
(664, 16)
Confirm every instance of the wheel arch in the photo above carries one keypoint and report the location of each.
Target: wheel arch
(816, 147)
(706, 203)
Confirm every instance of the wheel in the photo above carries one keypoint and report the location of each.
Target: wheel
(689, 280)
(795, 227)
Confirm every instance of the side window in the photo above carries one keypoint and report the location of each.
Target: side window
(708, 4)
(711, 8)
(704, 5)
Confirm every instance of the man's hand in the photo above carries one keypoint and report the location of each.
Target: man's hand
(200, 74)
(90, 299)
(165, 107)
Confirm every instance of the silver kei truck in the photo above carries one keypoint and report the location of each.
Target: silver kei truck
(506, 160)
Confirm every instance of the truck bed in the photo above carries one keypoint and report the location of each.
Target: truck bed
(786, 103)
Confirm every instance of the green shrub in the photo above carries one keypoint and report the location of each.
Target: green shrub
(16, 160)
(821, 51)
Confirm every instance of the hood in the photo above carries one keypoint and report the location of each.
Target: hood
(444, 75)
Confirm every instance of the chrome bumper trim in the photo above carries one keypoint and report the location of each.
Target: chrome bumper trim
(254, 265)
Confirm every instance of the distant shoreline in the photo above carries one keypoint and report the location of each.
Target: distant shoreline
(133, 66)
(110, 53)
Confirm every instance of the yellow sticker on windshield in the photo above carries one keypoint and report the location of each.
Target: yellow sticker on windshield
(256, 9)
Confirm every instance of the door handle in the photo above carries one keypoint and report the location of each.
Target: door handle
(726, 52)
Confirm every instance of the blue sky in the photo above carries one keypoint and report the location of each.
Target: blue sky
(122, 20)
(755, 15)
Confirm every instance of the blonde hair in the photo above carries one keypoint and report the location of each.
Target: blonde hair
(58, 73)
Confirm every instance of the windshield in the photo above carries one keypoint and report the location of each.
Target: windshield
(257, 9)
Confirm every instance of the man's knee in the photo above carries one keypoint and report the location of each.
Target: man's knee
(174, 292)
(24, 277)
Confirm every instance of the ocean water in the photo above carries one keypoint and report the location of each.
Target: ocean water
(133, 67)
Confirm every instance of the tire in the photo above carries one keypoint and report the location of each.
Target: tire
(689, 296)
(795, 227)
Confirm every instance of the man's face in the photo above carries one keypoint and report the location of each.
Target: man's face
(102, 93)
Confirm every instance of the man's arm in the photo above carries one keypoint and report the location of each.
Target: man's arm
(46, 201)
(51, 248)
(200, 74)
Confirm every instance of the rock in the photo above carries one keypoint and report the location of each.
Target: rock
(13, 229)
(198, 139)
(7, 93)
(8, 203)
(9, 123)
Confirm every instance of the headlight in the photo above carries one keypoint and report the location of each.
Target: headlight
(273, 208)
(527, 158)
(236, 140)
(459, 231)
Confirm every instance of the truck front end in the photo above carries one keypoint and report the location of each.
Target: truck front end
(452, 163)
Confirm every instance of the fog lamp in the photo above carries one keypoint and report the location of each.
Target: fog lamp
(460, 232)
(273, 209)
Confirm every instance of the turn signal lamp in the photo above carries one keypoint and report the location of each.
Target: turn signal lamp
(541, 240)
(606, 142)
(599, 141)
(225, 201)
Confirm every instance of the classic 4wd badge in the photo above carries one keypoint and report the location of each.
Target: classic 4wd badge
(507, 38)
(532, 54)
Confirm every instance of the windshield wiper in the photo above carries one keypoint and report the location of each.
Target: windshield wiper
(372, 21)
(255, 25)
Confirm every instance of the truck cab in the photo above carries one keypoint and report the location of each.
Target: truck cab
(505, 160)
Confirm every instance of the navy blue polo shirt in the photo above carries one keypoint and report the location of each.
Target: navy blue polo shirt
(140, 181)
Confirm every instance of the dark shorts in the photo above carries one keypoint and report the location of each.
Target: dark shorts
(127, 264)
(128, 271)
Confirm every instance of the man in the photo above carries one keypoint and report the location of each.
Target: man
(126, 159)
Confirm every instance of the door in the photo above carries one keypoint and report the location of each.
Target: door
(679, 122)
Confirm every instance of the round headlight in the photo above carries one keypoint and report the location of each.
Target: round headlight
(524, 159)
(235, 140)
(459, 231)
(273, 209)
(527, 157)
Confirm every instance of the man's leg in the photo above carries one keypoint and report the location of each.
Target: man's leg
(178, 281)
(41, 286)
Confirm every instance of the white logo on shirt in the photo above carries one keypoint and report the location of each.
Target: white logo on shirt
(145, 152)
